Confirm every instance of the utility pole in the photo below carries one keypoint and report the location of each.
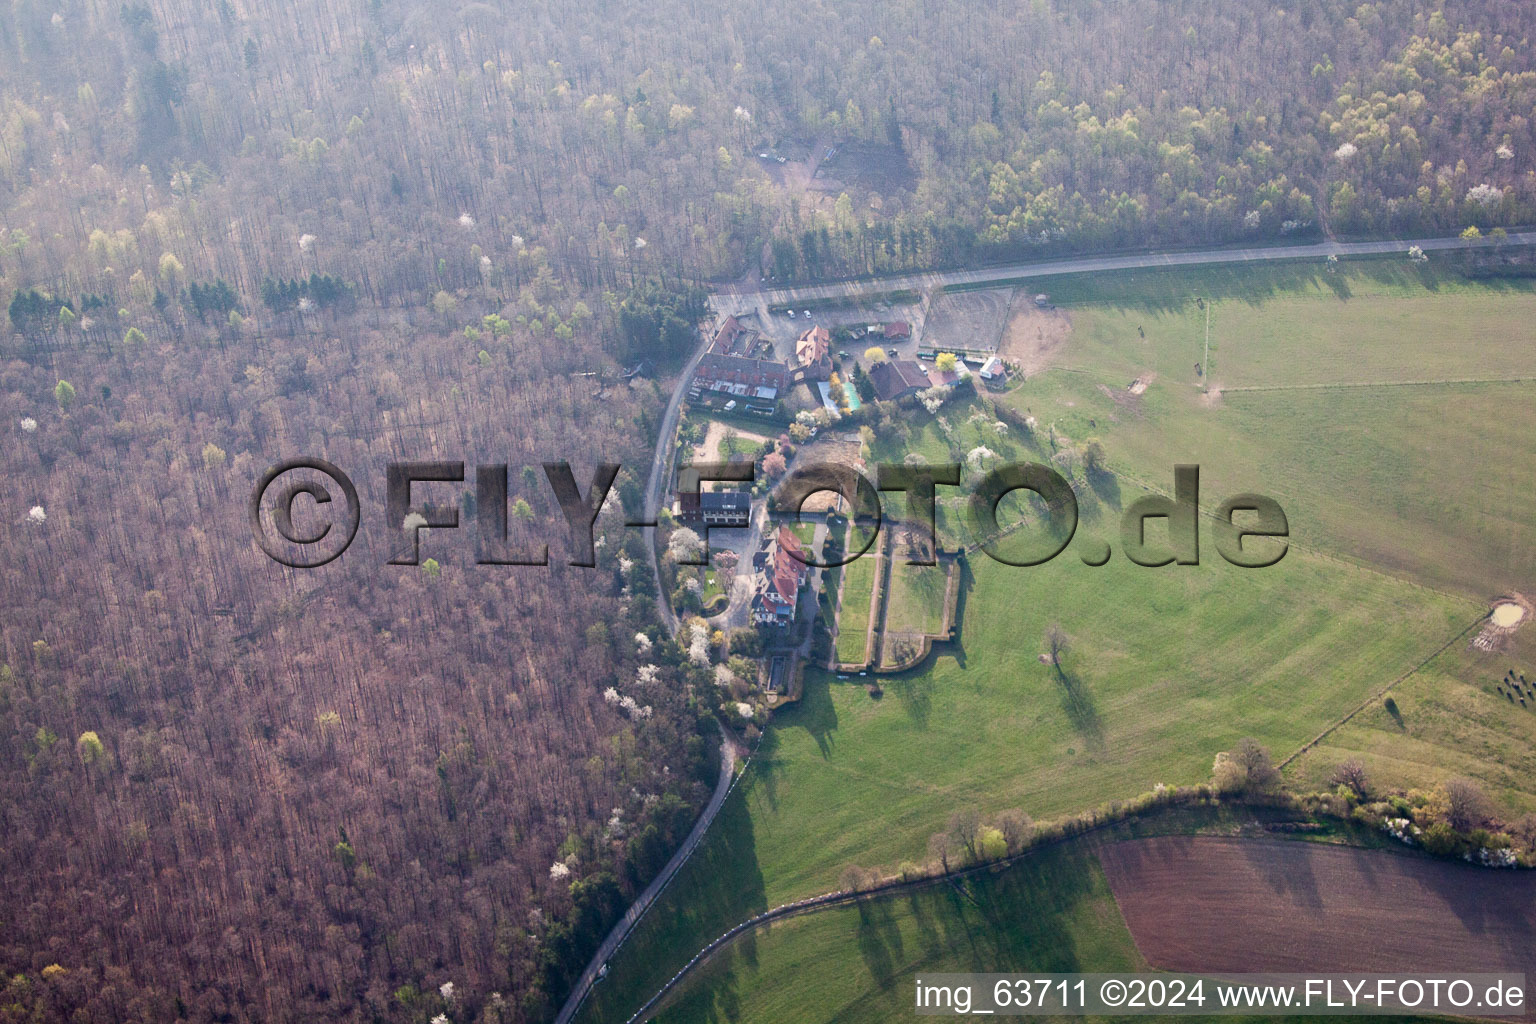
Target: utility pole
(1205, 363)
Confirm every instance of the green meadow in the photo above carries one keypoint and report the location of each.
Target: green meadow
(853, 620)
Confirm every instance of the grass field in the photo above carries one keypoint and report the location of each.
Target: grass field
(1410, 510)
(856, 964)
(853, 621)
(916, 598)
(1452, 722)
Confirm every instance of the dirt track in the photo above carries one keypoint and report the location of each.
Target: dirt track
(1204, 904)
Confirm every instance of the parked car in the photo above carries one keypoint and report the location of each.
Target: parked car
(891, 352)
(807, 312)
(791, 314)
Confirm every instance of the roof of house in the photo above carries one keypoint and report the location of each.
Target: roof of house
(813, 345)
(993, 367)
(896, 378)
(898, 329)
(726, 500)
(938, 377)
(715, 370)
(725, 337)
(788, 568)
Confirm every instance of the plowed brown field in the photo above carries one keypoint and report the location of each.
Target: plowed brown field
(1214, 905)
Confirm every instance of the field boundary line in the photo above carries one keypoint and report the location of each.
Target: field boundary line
(1342, 385)
(1314, 741)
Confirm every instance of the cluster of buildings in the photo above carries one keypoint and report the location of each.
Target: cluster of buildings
(739, 373)
(733, 375)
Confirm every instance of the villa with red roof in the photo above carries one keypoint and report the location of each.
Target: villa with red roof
(781, 572)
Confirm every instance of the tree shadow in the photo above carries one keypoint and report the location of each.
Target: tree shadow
(1079, 705)
(914, 691)
(879, 939)
(1106, 486)
(814, 712)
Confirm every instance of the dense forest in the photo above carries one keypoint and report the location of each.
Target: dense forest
(376, 230)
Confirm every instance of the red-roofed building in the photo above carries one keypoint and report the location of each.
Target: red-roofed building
(781, 572)
(898, 329)
(813, 353)
(897, 378)
(725, 338)
(727, 374)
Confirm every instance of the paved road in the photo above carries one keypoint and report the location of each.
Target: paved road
(632, 916)
(661, 472)
(1007, 273)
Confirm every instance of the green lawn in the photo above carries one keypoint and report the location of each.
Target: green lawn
(853, 621)
(916, 599)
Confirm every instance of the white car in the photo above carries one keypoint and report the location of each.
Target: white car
(791, 314)
(807, 312)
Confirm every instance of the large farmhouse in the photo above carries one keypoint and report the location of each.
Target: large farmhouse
(728, 377)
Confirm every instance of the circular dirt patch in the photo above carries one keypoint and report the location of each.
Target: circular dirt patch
(1508, 615)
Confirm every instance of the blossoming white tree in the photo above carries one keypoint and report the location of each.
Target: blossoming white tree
(685, 545)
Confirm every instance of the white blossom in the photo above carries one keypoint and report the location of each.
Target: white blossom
(306, 304)
(1251, 220)
(642, 643)
(517, 241)
(648, 674)
(446, 991)
(306, 243)
(485, 264)
(441, 1018)
(641, 243)
(685, 545)
(743, 114)
(37, 515)
(698, 649)
(629, 705)
(1001, 428)
(978, 455)
(744, 709)
(1504, 152)
(1416, 254)
(28, 424)
(1346, 151)
(1486, 196)
(611, 695)
(466, 221)
(724, 676)
(557, 871)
